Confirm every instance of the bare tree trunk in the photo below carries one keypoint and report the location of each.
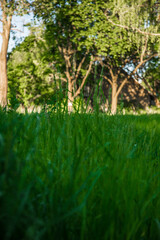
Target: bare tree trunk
(72, 73)
(3, 80)
(72, 92)
(114, 98)
(70, 84)
(70, 97)
(6, 23)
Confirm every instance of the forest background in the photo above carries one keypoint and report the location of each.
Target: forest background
(77, 46)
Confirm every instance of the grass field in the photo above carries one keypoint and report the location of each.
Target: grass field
(79, 177)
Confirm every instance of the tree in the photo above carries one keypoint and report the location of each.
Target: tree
(8, 9)
(140, 20)
(124, 34)
(131, 64)
(32, 75)
(76, 53)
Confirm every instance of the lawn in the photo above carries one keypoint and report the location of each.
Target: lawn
(79, 176)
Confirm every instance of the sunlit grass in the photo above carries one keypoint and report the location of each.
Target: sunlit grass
(79, 176)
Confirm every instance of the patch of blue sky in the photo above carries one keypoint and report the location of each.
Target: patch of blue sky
(19, 30)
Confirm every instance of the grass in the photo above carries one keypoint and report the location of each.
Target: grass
(79, 177)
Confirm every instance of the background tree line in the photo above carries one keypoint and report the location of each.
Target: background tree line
(72, 38)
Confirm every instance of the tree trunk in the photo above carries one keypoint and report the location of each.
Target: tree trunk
(6, 22)
(70, 97)
(3, 80)
(114, 98)
(157, 102)
(72, 73)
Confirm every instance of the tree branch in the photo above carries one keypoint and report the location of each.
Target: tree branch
(84, 79)
(133, 72)
(142, 62)
(132, 28)
(63, 79)
(147, 84)
(108, 80)
(80, 65)
(122, 85)
(144, 50)
(14, 29)
(31, 76)
(111, 72)
(68, 65)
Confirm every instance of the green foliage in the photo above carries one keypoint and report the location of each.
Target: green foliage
(61, 33)
(79, 176)
(104, 24)
(75, 30)
(79, 105)
(31, 72)
(16, 7)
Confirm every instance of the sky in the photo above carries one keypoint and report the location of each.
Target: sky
(20, 32)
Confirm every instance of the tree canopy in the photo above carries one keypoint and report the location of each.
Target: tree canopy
(118, 35)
